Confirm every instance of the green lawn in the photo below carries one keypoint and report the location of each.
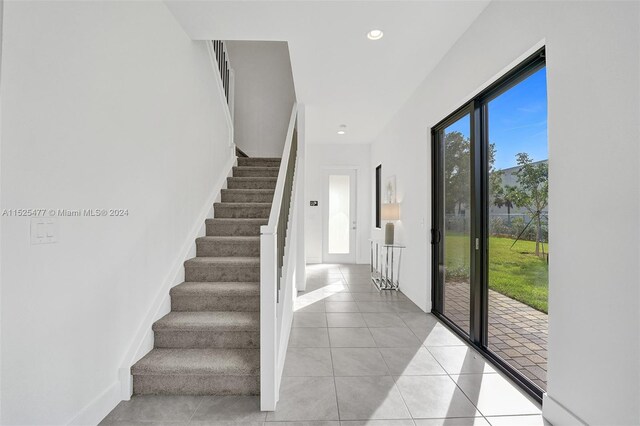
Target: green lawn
(515, 272)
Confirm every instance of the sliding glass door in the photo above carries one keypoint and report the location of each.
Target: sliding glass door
(517, 226)
(454, 211)
(490, 215)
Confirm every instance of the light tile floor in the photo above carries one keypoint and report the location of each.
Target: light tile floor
(359, 357)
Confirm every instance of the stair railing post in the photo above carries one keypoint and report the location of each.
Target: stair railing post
(268, 322)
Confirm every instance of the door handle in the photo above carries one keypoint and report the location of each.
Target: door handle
(436, 236)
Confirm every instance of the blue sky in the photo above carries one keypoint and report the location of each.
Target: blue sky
(517, 121)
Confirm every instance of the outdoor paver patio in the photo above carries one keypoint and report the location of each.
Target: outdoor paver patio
(517, 332)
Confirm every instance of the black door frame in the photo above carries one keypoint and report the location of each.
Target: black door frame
(437, 200)
(477, 109)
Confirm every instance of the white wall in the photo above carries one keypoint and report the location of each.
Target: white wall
(593, 71)
(1, 31)
(264, 95)
(319, 159)
(105, 105)
(409, 164)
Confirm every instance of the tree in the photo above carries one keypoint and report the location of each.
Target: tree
(496, 190)
(457, 177)
(532, 192)
(457, 151)
(504, 197)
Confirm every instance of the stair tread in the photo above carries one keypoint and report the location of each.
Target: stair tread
(264, 158)
(262, 178)
(231, 238)
(218, 362)
(217, 289)
(223, 260)
(238, 219)
(241, 204)
(257, 167)
(209, 321)
(250, 190)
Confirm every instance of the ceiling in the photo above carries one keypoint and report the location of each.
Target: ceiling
(340, 76)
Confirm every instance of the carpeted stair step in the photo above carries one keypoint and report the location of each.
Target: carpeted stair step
(209, 343)
(247, 195)
(198, 372)
(223, 269)
(259, 162)
(237, 227)
(242, 210)
(208, 296)
(225, 329)
(247, 171)
(228, 246)
(251, 182)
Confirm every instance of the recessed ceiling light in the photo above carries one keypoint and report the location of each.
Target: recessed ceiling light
(342, 129)
(375, 34)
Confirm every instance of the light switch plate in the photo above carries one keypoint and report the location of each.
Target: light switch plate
(44, 230)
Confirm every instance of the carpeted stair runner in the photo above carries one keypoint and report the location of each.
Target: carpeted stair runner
(209, 344)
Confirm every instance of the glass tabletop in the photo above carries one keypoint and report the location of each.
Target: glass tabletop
(383, 244)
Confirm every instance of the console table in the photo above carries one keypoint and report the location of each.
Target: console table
(385, 265)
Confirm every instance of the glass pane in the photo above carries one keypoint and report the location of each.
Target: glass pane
(339, 205)
(518, 236)
(457, 214)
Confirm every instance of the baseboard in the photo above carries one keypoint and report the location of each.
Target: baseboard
(143, 341)
(316, 260)
(96, 410)
(557, 414)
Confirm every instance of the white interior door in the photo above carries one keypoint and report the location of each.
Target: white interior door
(339, 216)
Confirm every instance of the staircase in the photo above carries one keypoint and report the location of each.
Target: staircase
(209, 343)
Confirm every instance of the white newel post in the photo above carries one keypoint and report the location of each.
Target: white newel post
(268, 324)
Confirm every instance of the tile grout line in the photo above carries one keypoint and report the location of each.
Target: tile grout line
(444, 369)
(387, 366)
(422, 345)
(469, 348)
(196, 410)
(434, 358)
(396, 384)
(456, 383)
(335, 385)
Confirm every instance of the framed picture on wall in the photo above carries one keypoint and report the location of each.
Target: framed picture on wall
(390, 190)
